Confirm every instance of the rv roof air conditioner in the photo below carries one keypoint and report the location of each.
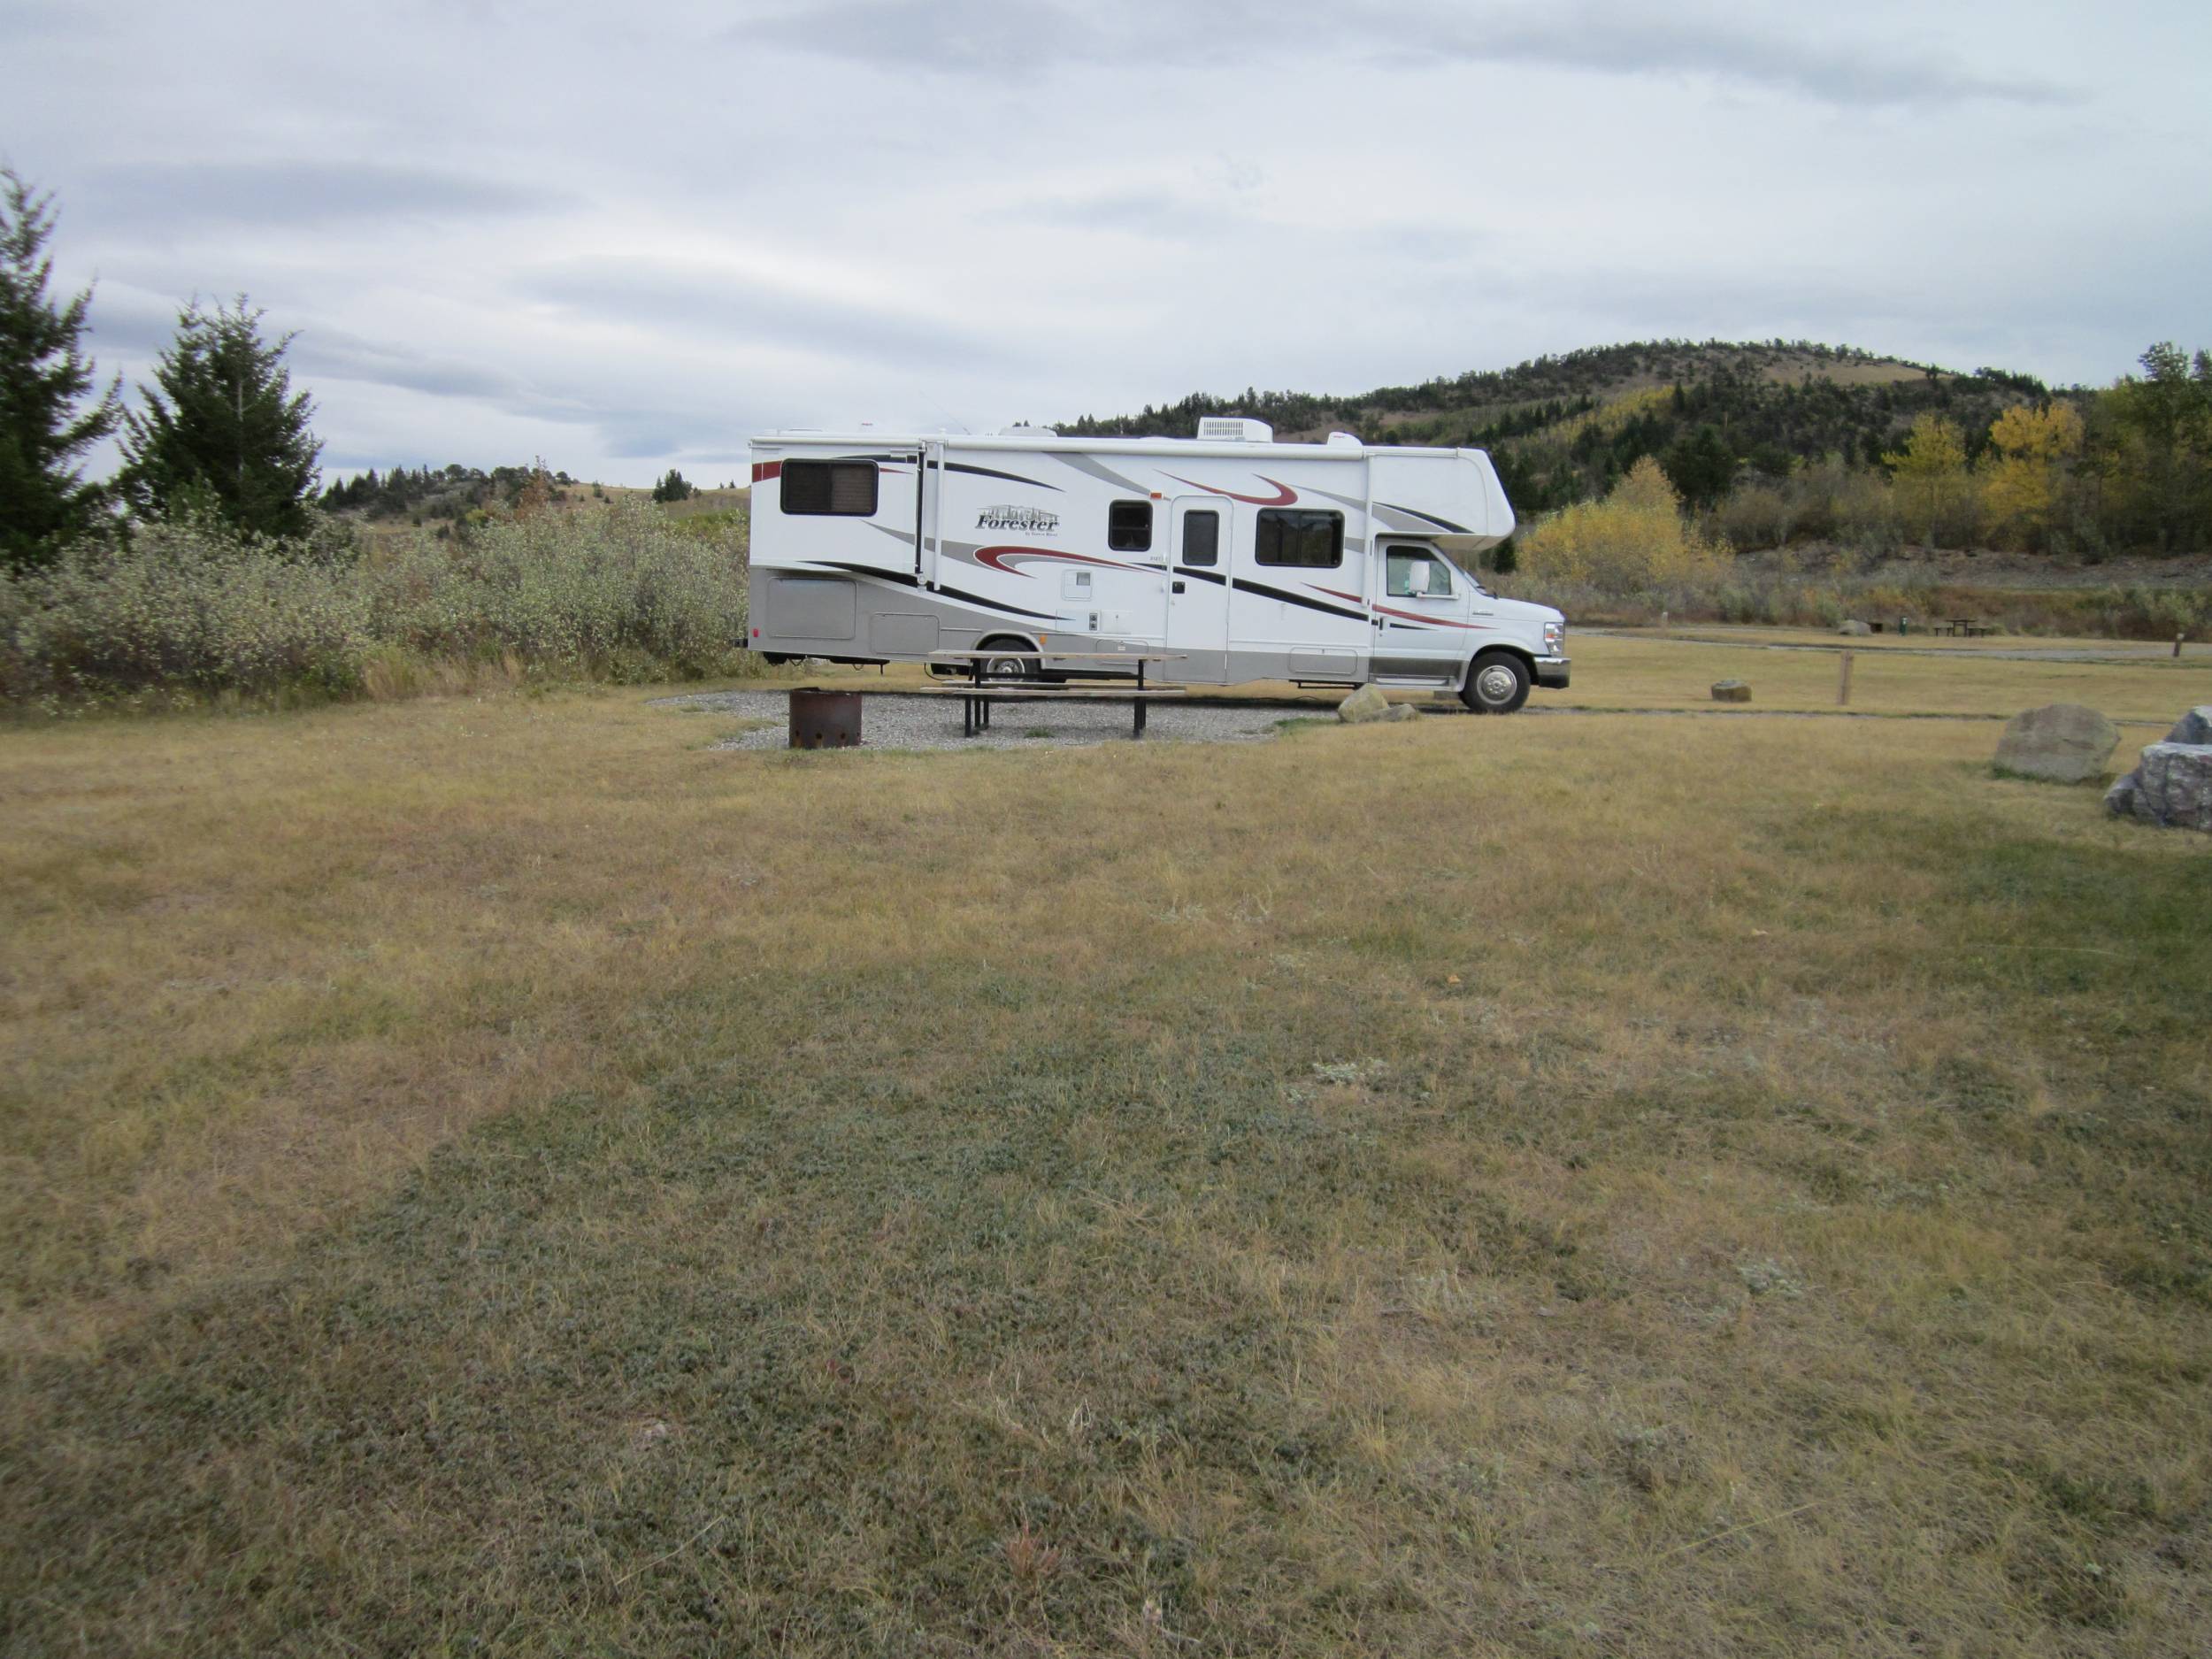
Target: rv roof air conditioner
(1228, 429)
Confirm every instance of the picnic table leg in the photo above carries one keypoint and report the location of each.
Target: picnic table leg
(1140, 702)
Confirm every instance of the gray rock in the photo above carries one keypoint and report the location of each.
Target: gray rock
(1732, 691)
(1363, 705)
(1854, 627)
(2061, 742)
(2194, 727)
(2171, 788)
(1403, 711)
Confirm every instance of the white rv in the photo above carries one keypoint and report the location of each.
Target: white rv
(1332, 564)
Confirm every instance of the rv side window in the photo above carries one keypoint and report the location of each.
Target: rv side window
(1129, 526)
(1413, 575)
(841, 489)
(1295, 536)
(1201, 538)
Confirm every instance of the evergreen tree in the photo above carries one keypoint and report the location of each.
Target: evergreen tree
(1701, 466)
(224, 432)
(43, 499)
(675, 486)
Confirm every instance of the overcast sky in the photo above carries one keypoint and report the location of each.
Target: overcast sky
(628, 240)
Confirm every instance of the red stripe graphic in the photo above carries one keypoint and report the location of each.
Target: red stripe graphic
(1282, 498)
(994, 556)
(1406, 616)
(765, 470)
(1434, 622)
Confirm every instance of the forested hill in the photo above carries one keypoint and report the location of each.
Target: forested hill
(1563, 429)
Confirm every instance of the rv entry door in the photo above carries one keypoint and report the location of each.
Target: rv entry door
(1197, 625)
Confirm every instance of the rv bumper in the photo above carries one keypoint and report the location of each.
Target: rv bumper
(1551, 671)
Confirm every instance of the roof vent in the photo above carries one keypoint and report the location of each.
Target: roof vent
(1023, 429)
(1344, 440)
(1229, 429)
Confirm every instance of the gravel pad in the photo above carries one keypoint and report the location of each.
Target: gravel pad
(891, 721)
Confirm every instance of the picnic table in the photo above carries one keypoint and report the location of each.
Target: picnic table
(1970, 627)
(980, 692)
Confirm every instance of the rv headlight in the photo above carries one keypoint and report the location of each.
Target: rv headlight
(1554, 638)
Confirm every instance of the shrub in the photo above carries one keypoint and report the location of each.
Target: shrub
(191, 606)
(198, 608)
(1820, 500)
(571, 590)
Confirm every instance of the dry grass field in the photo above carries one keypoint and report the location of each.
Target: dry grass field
(504, 1177)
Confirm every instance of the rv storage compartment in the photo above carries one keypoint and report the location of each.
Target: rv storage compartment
(812, 607)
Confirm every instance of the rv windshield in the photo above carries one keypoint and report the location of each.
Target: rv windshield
(1465, 568)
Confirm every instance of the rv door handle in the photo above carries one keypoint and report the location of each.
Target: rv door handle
(1175, 587)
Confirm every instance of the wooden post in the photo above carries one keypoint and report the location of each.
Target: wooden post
(1843, 683)
(2178, 639)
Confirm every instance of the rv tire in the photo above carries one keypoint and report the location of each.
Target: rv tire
(1497, 683)
(1008, 667)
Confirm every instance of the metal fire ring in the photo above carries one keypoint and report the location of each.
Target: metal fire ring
(824, 719)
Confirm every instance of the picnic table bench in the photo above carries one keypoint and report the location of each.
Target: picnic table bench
(979, 692)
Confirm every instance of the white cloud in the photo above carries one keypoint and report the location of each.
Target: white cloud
(503, 231)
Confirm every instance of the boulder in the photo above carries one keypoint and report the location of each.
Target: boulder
(1403, 711)
(2061, 742)
(1854, 627)
(1367, 703)
(2193, 727)
(1732, 691)
(2172, 786)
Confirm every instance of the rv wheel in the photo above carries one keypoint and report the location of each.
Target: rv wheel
(1007, 667)
(1497, 684)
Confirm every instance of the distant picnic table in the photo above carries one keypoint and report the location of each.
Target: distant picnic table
(1970, 627)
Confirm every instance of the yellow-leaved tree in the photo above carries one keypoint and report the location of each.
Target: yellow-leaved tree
(1635, 539)
(2020, 488)
(1931, 483)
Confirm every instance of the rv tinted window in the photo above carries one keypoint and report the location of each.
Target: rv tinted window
(1129, 526)
(1290, 535)
(846, 488)
(1201, 538)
